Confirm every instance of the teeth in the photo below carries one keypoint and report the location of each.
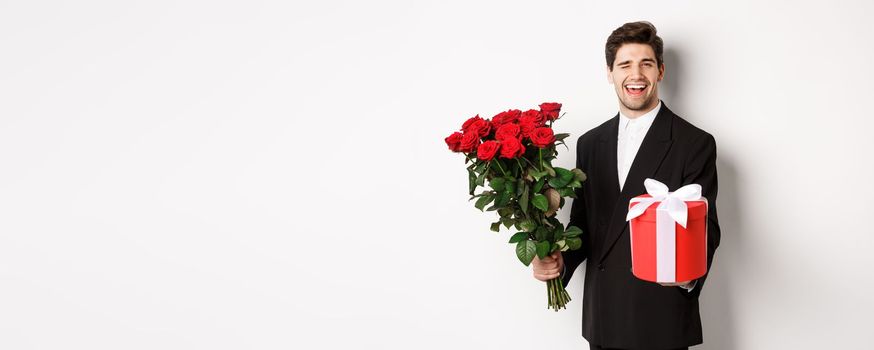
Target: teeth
(635, 86)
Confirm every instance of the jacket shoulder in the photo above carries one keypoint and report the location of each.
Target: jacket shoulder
(688, 132)
(596, 133)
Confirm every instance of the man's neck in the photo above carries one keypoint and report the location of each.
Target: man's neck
(634, 114)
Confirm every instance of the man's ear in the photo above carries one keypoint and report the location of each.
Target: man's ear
(662, 72)
(609, 75)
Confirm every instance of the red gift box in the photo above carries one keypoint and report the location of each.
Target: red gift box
(668, 233)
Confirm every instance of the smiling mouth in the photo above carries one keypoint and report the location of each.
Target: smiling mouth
(635, 90)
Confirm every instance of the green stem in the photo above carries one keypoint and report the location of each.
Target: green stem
(548, 296)
(556, 294)
(500, 167)
(551, 286)
(540, 155)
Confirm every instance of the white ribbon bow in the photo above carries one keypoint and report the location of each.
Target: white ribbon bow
(671, 210)
(672, 202)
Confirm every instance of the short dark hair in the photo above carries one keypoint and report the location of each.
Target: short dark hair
(641, 32)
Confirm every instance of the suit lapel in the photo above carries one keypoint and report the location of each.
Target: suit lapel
(607, 156)
(653, 148)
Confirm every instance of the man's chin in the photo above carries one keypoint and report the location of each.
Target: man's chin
(636, 105)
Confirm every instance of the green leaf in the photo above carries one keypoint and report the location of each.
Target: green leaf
(510, 186)
(541, 234)
(528, 225)
(503, 199)
(540, 202)
(579, 175)
(479, 195)
(484, 200)
(523, 199)
(507, 222)
(559, 137)
(525, 251)
(562, 179)
(519, 237)
(497, 183)
(557, 183)
(539, 185)
(548, 168)
(496, 226)
(481, 179)
(542, 249)
(471, 180)
(480, 167)
(564, 173)
(566, 192)
(505, 212)
(573, 231)
(558, 229)
(574, 243)
(536, 174)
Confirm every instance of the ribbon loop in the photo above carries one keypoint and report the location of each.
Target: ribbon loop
(672, 202)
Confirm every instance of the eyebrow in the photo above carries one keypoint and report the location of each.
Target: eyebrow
(641, 61)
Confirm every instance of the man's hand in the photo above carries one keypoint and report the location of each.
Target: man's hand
(548, 268)
(677, 284)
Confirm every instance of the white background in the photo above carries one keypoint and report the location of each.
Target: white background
(257, 175)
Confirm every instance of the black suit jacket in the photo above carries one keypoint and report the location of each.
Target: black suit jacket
(619, 310)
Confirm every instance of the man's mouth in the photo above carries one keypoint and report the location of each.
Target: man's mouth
(635, 90)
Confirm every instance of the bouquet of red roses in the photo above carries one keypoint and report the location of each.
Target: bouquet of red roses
(513, 152)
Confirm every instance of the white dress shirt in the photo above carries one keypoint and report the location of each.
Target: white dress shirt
(631, 133)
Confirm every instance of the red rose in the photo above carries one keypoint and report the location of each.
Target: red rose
(507, 131)
(527, 125)
(469, 121)
(487, 150)
(469, 141)
(477, 125)
(454, 142)
(542, 137)
(535, 115)
(550, 110)
(507, 117)
(511, 148)
(529, 121)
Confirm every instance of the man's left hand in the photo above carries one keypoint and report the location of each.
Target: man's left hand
(677, 284)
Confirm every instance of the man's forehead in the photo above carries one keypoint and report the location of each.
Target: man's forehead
(635, 52)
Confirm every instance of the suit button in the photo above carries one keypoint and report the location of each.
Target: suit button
(601, 267)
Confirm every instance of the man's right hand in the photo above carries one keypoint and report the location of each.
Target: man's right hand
(548, 268)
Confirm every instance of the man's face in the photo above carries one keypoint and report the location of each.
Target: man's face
(635, 76)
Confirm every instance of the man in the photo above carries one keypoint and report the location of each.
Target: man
(644, 140)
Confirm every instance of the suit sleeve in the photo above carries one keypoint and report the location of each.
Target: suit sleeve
(573, 258)
(700, 168)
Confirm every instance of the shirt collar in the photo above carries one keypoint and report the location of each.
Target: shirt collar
(644, 120)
